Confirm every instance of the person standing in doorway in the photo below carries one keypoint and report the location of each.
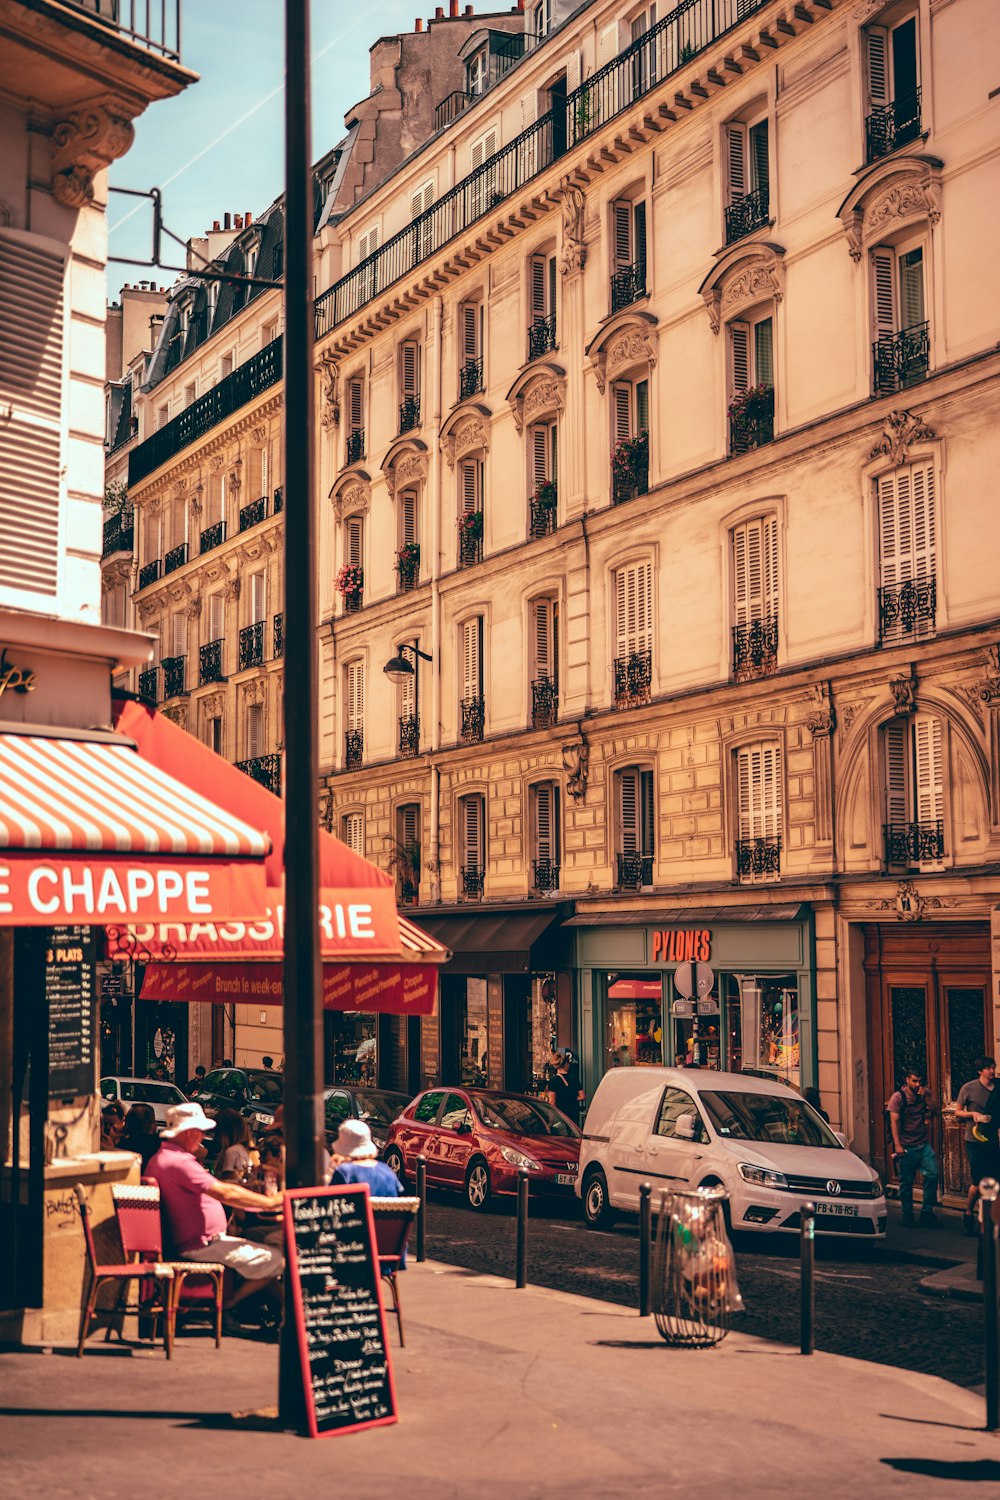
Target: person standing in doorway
(910, 1109)
(564, 1088)
(975, 1105)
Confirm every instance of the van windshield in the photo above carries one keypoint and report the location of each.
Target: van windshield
(768, 1118)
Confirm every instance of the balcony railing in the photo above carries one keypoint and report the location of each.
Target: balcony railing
(355, 451)
(892, 125)
(174, 673)
(279, 501)
(470, 545)
(245, 384)
(907, 611)
(354, 749)
(630, 468)
(149, 574)
(634, 871)
(252, 645)
(633, 679)
(914, 843)
(901, 360)
(408, 567)
(746, 214)
(354, 602)
(278, 638)
(690, 28)
(758, 859)
(542, 520)
(470, 378)
(119, 533)
(628, 284)
(473, 720)
(751, 420)
(253, 514)
(157, 27)
(175, 558)
(546, 875)
(265, 769)
(149, 685)
(544, 702)
(541, 336)
(409, 414)
(755, 649)
(210, 663)
(409, 736)
(473, 877)
(212, 536)
(451, 107)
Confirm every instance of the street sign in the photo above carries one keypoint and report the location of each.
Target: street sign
(692, 980)
(708, 1007)
(683, 1008)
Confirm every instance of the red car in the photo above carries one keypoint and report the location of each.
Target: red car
(476, 1139)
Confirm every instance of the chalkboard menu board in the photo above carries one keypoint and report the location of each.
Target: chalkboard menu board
(70, 991)
(334, 1278)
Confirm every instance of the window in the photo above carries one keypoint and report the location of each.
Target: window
(543, 456)
(408, 555)
(751, 383)
(269, 333)
(190, 394)
(636, 828)
(351, 581)
(470, 512)
(893, 116)
(483, 191)
(354, 714)
(645, 62)
(901, 347)
(630, 439)
(477, 76)
(368, 277)
(409, 708)
(355, 419)
(470, 373)
(162, 416)
(472, 708)
(409, 385)
(472, 835)
(633, 662)
(748, 178)
(258, 597)
(755, 598)
(544, 800)
(255, 731)
(541, 18)
(257, 476)
(215, 735)
(907, 596)
(541, 304)
(407, 854)
(913, 781)
(628, 252)
(758, 813)
(216, 616)
(423, 233)
(353, 832)
(544, 662)
(426, 1110)
(679, 1118)
(226, 366)
(456, 1114)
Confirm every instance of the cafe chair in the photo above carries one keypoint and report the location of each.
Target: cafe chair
(158, 1276)
(394, 1218)
(195, 1284)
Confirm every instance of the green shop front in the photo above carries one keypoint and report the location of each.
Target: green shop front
(757, 1016)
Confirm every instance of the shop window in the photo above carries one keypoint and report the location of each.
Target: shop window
(913, 789)
(635, 1021)
(353, 832)
(755, 598)
(473, 1035)
(628, 252)
(748, 197)
(893, 114)
(544, 802)
(758, 799)
(762, 1023)
(907, 594)
(636, 828)
(633, 639)
(751, 382)
(472, 845)
(355, 420)
(901, 346)
(350, 1050)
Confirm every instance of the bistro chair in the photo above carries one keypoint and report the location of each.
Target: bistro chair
(195, 1283)
(394, 1218)
(159, 1276)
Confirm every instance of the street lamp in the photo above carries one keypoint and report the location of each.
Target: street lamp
(399, 668)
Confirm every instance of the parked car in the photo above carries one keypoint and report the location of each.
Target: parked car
(476, 1139)
(255, 1092)
(129, 1091)
(757, 1138)
(350, 1101)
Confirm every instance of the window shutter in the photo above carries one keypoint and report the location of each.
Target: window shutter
(539, 454)
(928, 761)
(546, 851)
(178, 641)
(922, 512)
(736, 160)
(628, 788)
(354, 540)
(758, 154)
(639, 233)
(877, 39)
(621, 612)
(647, 815)
(408, 517)
(884, 292)
(408, 691)
(551, 284)
(911, 289)
(544, 620)
(472, 827)
(621, 407)
(356, 404)
(906, 525)
(894, 748)
(421, 199)
(258, 597)
(255, 732)
(607, 44)
(554, 452)
(574, 71)
(354, 833)
(759, 791)
(355, 684)
(739, 345)
(216, 616)
(472, 675)
(368, 243)
(409, 368)
(409, 823)
(763, 352)
(644, 607)
(621, 220)
(769, 553)
(742, 581)
(634, 609)
(891, 545)
(471, 312)
(537, 281)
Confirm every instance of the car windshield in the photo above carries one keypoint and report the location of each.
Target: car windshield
(382, 1108)
(265, 1088)
(521, 1116)
(150, 1093)
(770, 1119)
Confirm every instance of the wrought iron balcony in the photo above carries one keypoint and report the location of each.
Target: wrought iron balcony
(175, 558)
(902, 360)
(746, 214)
(278, 638)
(633, 679)
(408, 568)
(149, 574)
(758, 859)
(892, 125)
(354, 602)
(252, 645)
(279, 501)
(913, 843)
(253, 514)
(473, 720)
(751, 420)
(409, 414)
(149, 684)
(174, 672)
(634, 871)
(265, 769)
(154, 27)
(354, 749)
(755, 649)
(628, 284)
(470, 378)
(544, 702)
(546, 875)
(470, 545)
(210, 663)
(543, 515)
(473, 878)
(212, 536)
(630, 468)
(541, 336)
(409, 736)
(907, 611)
(119, 533)
(355, 450)
(451, 107)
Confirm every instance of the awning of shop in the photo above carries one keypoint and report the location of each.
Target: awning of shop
(681, 916)
(93, 833)
(494, 943)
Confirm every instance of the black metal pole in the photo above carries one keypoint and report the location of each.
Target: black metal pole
(522, 1226)
(422, 1211)
(807, 1248)
(988, 1190)
(645, 1223)
(302, 974)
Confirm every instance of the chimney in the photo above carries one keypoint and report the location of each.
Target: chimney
(418, 24)
(469, 10)
(215, 226)
(453, 9)
(439, 13)
(238, 221)
(227, 221)
(247, 220)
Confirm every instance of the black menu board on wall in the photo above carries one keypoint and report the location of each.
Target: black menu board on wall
(334, 1277)
(72, 1001)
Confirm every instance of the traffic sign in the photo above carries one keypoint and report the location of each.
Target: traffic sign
(693, 980)
(683, 1008)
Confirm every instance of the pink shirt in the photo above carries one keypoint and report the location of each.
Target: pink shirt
(192, 1215)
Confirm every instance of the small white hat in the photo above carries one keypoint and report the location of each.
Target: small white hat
(354, 1139)
(182, 1117)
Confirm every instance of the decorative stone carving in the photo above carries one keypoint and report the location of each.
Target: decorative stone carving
(216, 461)
(410, 469)
(908, 903)
(821, 719)
(87, 141)
(258, 435)
(177, 714)
(900, 430)
(254, 690)
(213, 705)
(147, 608)
(867, 9)
(903, 191)
(192, 609)
(756, 274)
(328, 371)
(467, 437)
(233, 588)
(848, 712)
(195, 504)
(904, 695)
(630, 344)
(572, 251)
(353, 500)
(576, 764)
(180, 485)
(538, 393)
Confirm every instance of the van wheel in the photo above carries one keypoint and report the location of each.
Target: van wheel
(394, 1162)
(597, 1211)
(478, 1189)
(713, 1182)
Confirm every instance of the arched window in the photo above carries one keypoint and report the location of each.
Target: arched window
(352, 826)
(758, 803)
(913, 790)
(545, 841)
(754, 551)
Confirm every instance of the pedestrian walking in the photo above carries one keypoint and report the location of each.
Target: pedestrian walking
(564, 1087)
(910, 1110)
(975, 1105)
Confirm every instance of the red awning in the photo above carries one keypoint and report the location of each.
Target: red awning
(92, 833)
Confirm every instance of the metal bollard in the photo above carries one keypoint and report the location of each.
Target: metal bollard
(988, 1191)
(645, 1221)
(522, 1226)
(422, 1210)
(807, 1247)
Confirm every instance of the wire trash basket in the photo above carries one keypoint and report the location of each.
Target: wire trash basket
(695, 1291)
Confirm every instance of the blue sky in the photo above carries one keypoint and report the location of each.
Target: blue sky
(186, 146)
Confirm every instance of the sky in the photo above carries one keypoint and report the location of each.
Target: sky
(219, 146)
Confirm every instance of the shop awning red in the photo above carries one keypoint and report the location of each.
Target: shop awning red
(92, 833)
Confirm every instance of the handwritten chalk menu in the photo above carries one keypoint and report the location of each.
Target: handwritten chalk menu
(335, 1282)
(71, 993)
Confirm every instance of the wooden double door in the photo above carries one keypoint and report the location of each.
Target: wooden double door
(928, 989)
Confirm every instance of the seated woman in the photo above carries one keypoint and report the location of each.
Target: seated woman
(236, 1148)
(355, 1159)
(140, 1134)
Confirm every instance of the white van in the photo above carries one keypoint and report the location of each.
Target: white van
(759, 1139)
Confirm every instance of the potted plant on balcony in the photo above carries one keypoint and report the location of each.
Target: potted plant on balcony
(408, 562)
(470, 533)
(630, 461)
(350, 583)
(754, 404)
(404, 861)
(545, 496)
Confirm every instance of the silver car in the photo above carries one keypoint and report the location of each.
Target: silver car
(128, 1091)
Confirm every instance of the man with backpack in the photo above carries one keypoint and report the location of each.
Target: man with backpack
(909, 1111)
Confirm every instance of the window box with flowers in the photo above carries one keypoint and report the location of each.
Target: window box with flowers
(408, 566)
(630, 468)
(470, 538)
(350, 584)
(543, 509)
(751, 418)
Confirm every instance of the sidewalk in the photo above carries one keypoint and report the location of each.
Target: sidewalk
(553, 1394)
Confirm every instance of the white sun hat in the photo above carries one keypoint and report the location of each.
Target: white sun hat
(182, 1117)
(354, 1140)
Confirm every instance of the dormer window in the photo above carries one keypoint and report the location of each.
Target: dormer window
(477, 72)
